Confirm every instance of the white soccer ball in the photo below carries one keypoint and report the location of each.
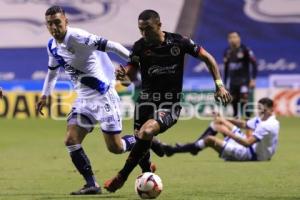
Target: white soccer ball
(148, 185)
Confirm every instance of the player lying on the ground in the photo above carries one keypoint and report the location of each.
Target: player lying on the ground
(236, 146)
(83, 56)
(159, 56)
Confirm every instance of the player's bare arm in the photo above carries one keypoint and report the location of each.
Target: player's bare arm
(238, 122)
(221, 92)
(41, 103)
(247, 142)
(48, 86)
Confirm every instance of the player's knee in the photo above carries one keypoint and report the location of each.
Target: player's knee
(149, 130)
(70, 141)
(146, 133)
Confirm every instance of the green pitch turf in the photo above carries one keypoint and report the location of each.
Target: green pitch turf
(34, 164)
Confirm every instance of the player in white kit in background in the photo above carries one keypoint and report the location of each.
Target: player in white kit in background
(83, 57)
(236, 146)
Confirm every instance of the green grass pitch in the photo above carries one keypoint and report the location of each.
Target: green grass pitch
(34, 164)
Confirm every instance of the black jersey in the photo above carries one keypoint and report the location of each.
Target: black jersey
(240, 65)
(161, 66)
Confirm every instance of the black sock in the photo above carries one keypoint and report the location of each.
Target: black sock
(139, 150)
(82, 163)
(207, 132)
(235, 106)
(189, 147)
(145, 163)
(157, 147)
(130, 141)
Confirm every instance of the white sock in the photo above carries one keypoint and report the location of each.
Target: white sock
(124, 145)
(212, 126)
(200, 144)
(74, 147)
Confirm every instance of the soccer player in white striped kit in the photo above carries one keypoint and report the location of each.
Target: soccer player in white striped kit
(261, 145)
(83, 57)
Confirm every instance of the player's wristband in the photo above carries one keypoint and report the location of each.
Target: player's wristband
(219, 83)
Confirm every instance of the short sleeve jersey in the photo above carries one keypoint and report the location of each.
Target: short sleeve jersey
(162, 66)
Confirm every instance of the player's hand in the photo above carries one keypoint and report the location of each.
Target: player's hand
(39, 106)
(223, 96)
(121, 75)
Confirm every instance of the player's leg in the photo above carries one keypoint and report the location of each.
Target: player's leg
(109, 115)
(244, 101)
(78, 127)
(192, 147)
(212, 141)
(158, 147)
(234, 91)
(163, 120)
(117, 144)
(207, 138)
(138, 152)
(232, 151)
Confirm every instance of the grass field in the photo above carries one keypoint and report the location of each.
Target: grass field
(34, 164)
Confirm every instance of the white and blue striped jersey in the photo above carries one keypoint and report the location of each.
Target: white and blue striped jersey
(266, 132)
(83, 57)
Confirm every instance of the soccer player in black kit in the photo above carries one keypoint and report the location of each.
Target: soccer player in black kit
(240, 69)
(159, 56)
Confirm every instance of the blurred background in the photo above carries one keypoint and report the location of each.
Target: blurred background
(269, 27)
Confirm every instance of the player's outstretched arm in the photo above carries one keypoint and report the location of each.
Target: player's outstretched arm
(221, 93)
(49, 84)
(118, 49)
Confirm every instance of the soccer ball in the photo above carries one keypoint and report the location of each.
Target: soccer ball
(148, 185)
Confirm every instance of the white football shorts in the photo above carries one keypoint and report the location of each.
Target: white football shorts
(101, 109)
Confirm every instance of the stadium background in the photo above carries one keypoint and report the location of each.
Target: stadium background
(271, 31)
(269, 27)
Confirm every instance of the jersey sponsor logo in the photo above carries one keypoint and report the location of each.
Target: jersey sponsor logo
(275, 11)
(175, 50)
(155, 70)
(74, 73)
